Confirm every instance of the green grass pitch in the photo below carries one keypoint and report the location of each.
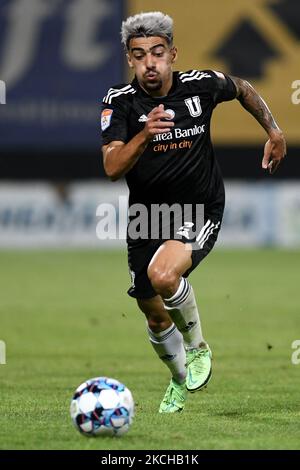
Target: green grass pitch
(66, 317)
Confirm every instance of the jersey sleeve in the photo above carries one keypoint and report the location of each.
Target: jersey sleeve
(114, 122)
(221, 87)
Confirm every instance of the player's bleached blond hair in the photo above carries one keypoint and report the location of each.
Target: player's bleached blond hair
(153, 23)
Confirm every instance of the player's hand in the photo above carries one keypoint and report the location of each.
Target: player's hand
(156, 123)
(275, 151)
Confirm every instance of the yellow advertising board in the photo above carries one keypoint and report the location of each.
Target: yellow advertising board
(256, 39)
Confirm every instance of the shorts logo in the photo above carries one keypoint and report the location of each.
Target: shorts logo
(194, 106)
(185, 230)
(106, 118)
(132, 275)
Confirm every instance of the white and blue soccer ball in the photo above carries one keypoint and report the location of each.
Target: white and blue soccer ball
(102, 406)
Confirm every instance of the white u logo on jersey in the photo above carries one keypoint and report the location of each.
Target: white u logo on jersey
(194, 106)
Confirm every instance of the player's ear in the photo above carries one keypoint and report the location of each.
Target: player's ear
(129, 61)
(174, 54)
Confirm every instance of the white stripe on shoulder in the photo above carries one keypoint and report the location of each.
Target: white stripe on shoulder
(197, 76)
(203, 230)
(113, 92)
(208, 233)
(114, 95)
(132, 90)
(188, 74)
(117, 91)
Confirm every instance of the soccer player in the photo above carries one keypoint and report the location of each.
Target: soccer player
(156, 133)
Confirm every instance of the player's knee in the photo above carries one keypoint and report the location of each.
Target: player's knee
(157, 324)
(163, 282)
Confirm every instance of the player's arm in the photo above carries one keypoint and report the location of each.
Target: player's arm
(119, 158)
(275, 147)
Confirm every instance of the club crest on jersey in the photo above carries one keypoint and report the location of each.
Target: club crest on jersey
(106, 118)
(194, 106)
(171, 113)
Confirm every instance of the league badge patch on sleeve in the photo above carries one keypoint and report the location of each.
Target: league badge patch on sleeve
(106, 118)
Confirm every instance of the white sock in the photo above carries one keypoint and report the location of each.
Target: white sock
(168, 345)
(183, 310)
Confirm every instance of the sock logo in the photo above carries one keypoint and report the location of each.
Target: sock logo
(189, 326)
(168, 357)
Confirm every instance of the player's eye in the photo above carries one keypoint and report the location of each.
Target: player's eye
(138, 56)
(158, 53)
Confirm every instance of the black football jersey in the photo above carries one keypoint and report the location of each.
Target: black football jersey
(177, 166)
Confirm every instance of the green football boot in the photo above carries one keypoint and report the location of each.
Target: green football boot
(198, 368)
(174, 399)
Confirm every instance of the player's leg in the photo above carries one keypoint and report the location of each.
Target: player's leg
(163, 334)
(167, 342)
(165, 271)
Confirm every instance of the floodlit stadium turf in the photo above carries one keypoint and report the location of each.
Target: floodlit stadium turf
(66, 317)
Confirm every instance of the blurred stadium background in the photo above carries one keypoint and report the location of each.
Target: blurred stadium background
(57, 59)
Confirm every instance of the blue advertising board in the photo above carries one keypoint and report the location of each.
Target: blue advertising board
(57, 60)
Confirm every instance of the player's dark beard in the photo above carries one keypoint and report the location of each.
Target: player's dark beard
(152, 86)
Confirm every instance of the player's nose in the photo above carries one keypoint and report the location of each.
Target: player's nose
(149, 61)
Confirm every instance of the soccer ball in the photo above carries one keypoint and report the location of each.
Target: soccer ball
(102, 406)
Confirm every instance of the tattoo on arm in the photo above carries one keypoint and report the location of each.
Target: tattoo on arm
(254, 103)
